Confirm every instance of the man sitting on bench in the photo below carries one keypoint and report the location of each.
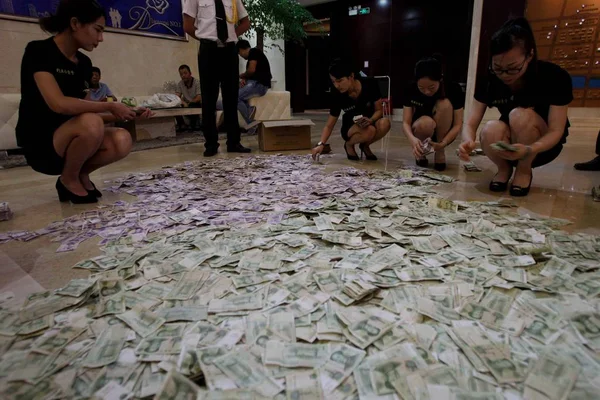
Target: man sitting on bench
(188, 89)
(255, 81)
(99, 91)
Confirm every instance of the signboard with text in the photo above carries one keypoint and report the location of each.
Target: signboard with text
(147, 17)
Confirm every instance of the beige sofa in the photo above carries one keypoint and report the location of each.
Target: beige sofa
(274, 106)
(9, 115)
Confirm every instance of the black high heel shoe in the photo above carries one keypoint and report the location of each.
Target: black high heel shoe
(422, 162)
(370, 157)
(350, 157)
(65, 195)
(518, 191)
(500, 186)
(439, 165)
(95, 192)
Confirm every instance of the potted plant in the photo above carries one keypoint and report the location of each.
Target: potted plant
(278, 19)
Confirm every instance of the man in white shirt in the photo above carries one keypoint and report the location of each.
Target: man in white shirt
(217, 24)
(188, 90)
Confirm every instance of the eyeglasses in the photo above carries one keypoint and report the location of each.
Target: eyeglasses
(510, 71)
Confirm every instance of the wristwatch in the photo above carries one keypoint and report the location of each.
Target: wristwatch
(321, 144)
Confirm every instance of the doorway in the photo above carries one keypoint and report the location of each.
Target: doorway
(307, 66)
(318, 55)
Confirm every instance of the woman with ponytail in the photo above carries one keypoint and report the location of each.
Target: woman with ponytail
(362, 103)
(433, 111)
(60, 132)
(532, 97)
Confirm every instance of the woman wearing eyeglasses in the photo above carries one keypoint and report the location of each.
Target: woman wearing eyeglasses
(532, 97)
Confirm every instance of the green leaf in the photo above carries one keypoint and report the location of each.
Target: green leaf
(279, 19)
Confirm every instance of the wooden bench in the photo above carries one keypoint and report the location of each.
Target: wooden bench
(274, 106)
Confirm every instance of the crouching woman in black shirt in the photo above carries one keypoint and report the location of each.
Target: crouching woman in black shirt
(363, 121)
(61, 133)
(433, 109)
(532, 97)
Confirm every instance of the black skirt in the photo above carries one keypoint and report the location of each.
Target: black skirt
(41, 155)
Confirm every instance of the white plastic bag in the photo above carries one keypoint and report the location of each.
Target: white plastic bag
(162, 100)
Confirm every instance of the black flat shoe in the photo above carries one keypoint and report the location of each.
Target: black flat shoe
(439, 166)
(518, 191)
(95, 192)
(422, 162)
(65, 195)
(350, 157)
(238, 149)
(212, 150)
(592, 165)
(370, 157)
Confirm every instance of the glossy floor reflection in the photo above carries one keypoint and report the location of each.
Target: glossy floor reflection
(558, 191)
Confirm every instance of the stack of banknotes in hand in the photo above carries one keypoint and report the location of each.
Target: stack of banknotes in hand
(503, 146)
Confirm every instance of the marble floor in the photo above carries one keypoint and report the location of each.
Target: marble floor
(558, 191)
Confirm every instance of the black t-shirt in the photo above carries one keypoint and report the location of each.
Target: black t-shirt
(262, 74)
(423, 105)
(546, 84)
(37, 122)
(363, 105)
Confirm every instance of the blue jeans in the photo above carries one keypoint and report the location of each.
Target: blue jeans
(251, 90)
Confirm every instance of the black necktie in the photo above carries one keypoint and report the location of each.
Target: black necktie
(222, 31)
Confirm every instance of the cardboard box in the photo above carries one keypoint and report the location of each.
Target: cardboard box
(285, 135)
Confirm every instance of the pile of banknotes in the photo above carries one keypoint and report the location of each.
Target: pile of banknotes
(274, 278)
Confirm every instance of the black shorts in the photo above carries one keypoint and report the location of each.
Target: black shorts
(545, 157)
(345, 128)
(44, 159)
(419, 114)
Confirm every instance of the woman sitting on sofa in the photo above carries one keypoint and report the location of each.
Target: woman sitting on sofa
(60, 132)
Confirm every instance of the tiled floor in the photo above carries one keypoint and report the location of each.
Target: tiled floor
(558, 191)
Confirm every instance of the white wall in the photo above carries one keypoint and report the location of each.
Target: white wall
(276, 60)
(131, 65)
